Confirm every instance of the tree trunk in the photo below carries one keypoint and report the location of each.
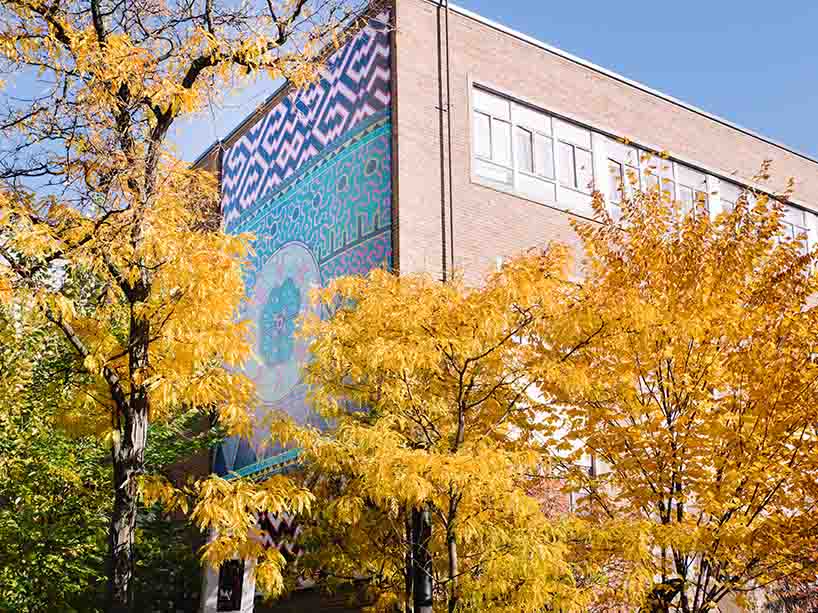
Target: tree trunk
(422, 558)
(409, 570)
(451, 544)
(129, 461)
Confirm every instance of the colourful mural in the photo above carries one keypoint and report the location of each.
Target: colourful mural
(312, 181)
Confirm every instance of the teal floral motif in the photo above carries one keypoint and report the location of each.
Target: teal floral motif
(278, 322)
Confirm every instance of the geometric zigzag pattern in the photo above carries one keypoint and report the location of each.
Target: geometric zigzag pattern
(281, 531)
(355, 86)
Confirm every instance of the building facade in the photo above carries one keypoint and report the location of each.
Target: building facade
(440, 141)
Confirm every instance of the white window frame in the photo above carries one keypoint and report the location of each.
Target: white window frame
(625, 187)
(519, 125)
(574, 197)
(558, 166)
(680, 185)
(645, 159)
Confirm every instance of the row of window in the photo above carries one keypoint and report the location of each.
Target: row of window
(532, 154)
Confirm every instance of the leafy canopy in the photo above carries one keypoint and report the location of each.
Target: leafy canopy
(698, 397)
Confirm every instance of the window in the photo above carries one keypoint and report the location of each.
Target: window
(521, 150)
(616, 181)
(231, 580)
(501, 142)
(543, 156)
(692, 189)
(482, 135)
(535, 153)
(623, 170)
(658, 175)
(492, 137)
(729, 194)
(513, 146)
(525, 150)
(576, 167)
(795, 225)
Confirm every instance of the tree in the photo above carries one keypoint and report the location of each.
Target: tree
(55, 486)
(449, 429)
(54, 490)
(110, 238)
(698, 400)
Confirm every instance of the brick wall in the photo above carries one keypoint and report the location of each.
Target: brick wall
(487, 223)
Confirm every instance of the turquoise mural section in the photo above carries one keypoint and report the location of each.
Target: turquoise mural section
(326, 216)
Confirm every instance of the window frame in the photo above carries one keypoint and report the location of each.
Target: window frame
(625, 186)
(600, 157)
(557, 166)
(534, 132)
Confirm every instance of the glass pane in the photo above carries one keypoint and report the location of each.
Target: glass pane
(534, 120)
(482, 135)
(794, 215)
(501, 142)
(651, 179)
(543, 156)
(585, 170)
(631, 179)
(729, 193)
(615, 181)
(686, 198)
(572, 133)
(668, 188)
(491, 104)
(565, 157)
(525, 153)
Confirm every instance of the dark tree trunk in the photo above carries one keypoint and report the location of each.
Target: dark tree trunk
(128, 454)
(128, 459)
(422, 559)
(409, 569)
(451, 544)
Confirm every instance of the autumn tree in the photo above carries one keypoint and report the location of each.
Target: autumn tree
(433, 452)
(54, 489)
(698, 400)
(111, 239)
(55, 484)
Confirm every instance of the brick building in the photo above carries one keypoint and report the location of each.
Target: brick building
(438, 140)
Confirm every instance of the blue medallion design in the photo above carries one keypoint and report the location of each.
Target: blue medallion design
(278, 322)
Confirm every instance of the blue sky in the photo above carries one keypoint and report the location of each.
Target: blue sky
(752, 62)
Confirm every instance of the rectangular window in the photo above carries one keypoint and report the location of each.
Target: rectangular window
(543, 156)
(623, 172)
(566, 165)
(794, 222)
(658, 175)
(501, 142)
(616, 181)
(729, 193)
(491, 120)
(525, 150)
(692, 189)
(482, 135)
(576, 168)
(585, 170)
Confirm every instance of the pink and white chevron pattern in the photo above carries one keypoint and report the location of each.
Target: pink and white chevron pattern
(355, 87)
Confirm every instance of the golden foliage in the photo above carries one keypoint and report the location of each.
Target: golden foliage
(429, 390)
(698, 397)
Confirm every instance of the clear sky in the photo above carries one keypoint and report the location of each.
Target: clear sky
(752, 62)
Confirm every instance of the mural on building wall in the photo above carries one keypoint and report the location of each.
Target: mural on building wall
(312, 181)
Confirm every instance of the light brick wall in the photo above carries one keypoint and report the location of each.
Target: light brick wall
(488, 223)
